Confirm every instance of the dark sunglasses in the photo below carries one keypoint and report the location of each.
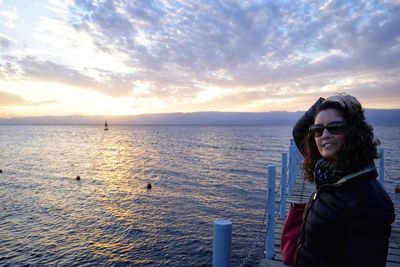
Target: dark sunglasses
(333, 128)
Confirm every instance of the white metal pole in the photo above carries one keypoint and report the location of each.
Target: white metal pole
(282, 211)
(269, 242)
(292, 164)
(381, 165)
(296, 164)
(222, 243)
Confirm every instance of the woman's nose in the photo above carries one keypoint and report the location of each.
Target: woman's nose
(326, 133)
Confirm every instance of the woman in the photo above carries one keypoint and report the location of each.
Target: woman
(347, 220)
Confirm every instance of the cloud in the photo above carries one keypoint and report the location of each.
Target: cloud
(9, 17)
(36, 68)
(371, 85)
(8, 99)
(253, 43)
(115, 84)
(4, 42)
(8, 70)
(196, 35)
(247, 50)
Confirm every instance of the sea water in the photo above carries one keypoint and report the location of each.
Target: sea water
(109, 217)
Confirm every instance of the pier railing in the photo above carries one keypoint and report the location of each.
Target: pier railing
(289, 173)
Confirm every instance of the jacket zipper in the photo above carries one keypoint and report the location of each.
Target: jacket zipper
(308, 207)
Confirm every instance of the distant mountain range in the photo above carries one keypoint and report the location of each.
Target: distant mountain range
(374, 117)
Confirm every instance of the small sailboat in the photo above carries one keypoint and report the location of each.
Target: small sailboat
(105, 126)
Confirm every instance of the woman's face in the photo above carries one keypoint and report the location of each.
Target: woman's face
(329, 144)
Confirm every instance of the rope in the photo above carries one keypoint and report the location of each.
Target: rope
(386, 172)
(287, 175)
(259, 234)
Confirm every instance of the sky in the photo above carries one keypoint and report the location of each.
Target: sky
(155, 56)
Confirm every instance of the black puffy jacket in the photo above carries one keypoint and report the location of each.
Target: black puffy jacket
(347, 224)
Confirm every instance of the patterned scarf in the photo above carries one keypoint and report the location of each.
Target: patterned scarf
(325, 174)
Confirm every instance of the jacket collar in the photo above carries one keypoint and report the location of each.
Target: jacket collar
(354, 175)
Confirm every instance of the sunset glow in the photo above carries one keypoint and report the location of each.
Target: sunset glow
(134, 57)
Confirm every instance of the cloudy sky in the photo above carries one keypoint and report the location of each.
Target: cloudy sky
(151, 56)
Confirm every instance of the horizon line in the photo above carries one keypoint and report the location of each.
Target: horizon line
(177, 112)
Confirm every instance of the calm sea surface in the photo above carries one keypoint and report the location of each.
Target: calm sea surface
(198, 173)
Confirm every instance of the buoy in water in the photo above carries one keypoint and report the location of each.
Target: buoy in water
(78, 178)
(149, 186)
(397, 189)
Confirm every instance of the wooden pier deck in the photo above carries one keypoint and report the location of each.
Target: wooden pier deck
(301, 193)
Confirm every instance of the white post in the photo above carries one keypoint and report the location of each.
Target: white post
(282, 211)
(292, 166)
(296, 156)
(269, 240)
(222, 243)
(381, 165)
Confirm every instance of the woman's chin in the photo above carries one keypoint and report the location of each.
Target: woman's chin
(328, 153)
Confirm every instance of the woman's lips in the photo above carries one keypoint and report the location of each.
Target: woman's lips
(328, 145)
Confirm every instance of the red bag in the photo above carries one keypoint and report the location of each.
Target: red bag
(291, 232)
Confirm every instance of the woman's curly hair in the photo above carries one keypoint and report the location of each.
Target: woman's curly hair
(358, 150)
